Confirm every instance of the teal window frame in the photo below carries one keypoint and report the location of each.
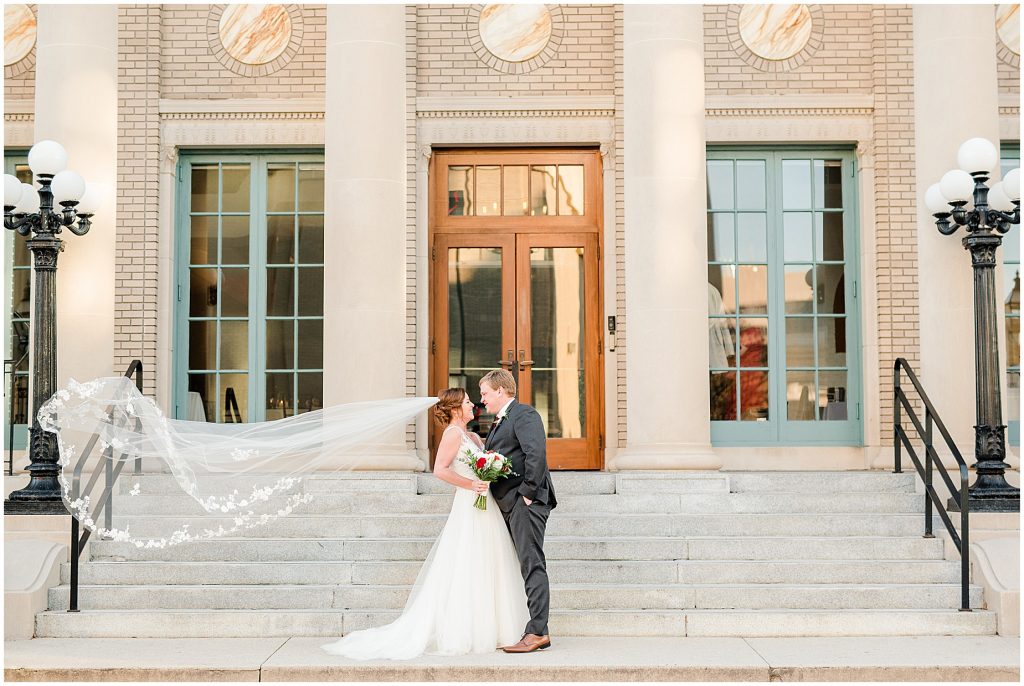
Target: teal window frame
(1009, 158)
(778, 429)
(13, 158)
(257, 277)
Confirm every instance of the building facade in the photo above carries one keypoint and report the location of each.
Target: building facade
(309, 205)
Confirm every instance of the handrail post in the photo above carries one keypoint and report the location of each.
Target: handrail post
(897, 417)
(108, 517)
(73, 603)
(928, 466)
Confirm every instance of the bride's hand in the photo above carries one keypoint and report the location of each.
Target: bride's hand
(480, 487)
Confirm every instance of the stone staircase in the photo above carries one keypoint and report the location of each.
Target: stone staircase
(752, 554)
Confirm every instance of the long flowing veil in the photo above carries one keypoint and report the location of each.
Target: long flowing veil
(238, 476)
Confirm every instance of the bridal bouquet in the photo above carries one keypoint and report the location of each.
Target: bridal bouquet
(488, 466)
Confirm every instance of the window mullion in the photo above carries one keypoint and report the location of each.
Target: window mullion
(258, 289)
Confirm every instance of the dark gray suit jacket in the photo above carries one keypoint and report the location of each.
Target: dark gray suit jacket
(520, 437)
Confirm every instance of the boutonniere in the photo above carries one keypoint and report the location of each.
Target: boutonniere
(499, 420)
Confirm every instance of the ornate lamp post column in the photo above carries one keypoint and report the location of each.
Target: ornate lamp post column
(31, 212)
(995, 209)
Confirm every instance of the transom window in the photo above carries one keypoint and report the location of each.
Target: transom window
(515, 190)
(251, 261)
(781, 309)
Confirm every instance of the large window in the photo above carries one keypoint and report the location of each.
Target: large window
(1010, 154)
(250, 287)
(18, 275)
(782, 314)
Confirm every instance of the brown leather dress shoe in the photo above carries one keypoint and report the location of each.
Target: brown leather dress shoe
(529, 643)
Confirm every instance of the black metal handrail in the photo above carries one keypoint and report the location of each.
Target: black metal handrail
(104, 503)
(925, 434)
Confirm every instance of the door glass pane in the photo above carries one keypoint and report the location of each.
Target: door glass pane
(751, 237)
(800, 395)
(311, 238)
(202, 398)
(311, 344)
(280, 344)
(234, 345)
(721, 289)
(280, 291)
(205, 182)
(280, 188)
(202, 344)
(799, 289)
(543, 192)
(203, 292)
(720, 185)
(828, 183)
(311, 392)
(754, 396)
(203, 248)
(723, 396)
(753, 289)
(828, 236)
(831, 289)
(281, 239)
(235, 239)
(796, 184)
(235, 188)
(474, 320)
(234, 292)
(570, 189)
(460, 191)
(750, 185)
(800, 342)
(280, 395)
(234, 398)
(721, 237)
(753, 342)
(311, 187)
(517, 190)
(831, 341)
(832, 405)
(557, 300)
(311, 291)
(797, 240)
(488, 190)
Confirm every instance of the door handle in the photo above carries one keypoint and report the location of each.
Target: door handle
(524, 363)
(510, 363)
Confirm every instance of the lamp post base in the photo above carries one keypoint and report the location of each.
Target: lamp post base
(997, 503)
(34, 507)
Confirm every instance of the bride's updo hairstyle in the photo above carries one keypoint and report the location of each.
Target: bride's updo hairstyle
(448, 400)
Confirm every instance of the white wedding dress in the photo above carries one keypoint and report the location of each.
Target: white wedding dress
(469, 595)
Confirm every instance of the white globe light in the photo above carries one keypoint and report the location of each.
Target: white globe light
(1011, 184)
(67, 186)
(47, 157)
(12, 190)
(956, 185)
(934, 200)
(90, 201)
(998, 200)
(28, 203)
(977, 155)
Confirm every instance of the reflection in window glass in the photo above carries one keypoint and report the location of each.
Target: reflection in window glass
(488, 190)
(516, 190)
(570, 189)
(543, 190)
(460, 191)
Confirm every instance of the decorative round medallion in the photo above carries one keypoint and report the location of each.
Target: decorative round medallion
(775, 37)
(515, 33)
(19, 39)
(1008, 30)
(515, 39)
(254, 40)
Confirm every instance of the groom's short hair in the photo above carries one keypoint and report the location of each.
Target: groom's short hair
(500, 378)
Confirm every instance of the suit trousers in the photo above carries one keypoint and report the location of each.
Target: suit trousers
(526, 524)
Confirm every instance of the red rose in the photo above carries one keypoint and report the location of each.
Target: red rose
(481, 462)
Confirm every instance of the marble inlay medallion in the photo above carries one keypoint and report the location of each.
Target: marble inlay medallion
(19, 33)
(255, 34)
(775, 32)
(515, 33)
(1008, 26)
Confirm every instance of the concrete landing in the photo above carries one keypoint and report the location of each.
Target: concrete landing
(935, 658)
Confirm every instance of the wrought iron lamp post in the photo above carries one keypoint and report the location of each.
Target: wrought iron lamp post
(994, 210)
(30, 212)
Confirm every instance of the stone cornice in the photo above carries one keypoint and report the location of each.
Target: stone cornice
(242, 108)
(532, 107)
(852, 105)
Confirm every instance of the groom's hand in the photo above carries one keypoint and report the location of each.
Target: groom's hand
(527, 500)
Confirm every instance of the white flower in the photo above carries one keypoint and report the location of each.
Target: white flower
(136, 489)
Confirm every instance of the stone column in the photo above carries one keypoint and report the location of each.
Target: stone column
(365, 204)
(76, 105)
(668, 416)
(954, 49)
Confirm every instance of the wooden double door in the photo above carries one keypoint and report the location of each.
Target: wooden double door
(517, 285)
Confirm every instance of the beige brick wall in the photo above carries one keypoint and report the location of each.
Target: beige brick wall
(447, 65)
(138, 167)
(190, 70)
(23, 86)
(1009, 77)
(617, 395)
(842, 65)
(895, 199)
(413, 289)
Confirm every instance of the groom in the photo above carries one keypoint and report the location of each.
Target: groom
(525, 500)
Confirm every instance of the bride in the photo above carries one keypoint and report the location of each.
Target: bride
(469, 595)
